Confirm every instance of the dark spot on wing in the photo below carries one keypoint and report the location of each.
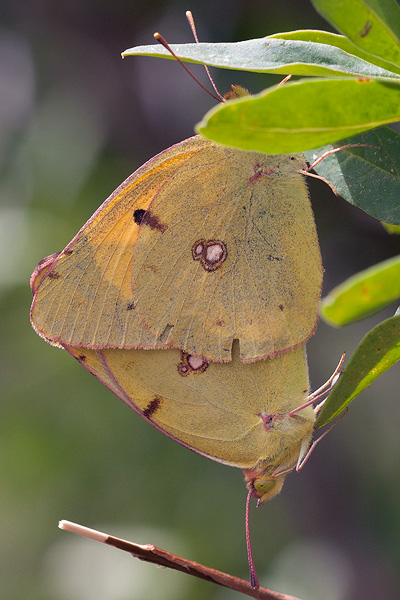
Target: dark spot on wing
(152, 407)
(130, 305)
(210, 253)
(261, 171)
(267, 421)
(272, 258)
(191, 364)
(270, 420)
(145, 217)
(281, 307)
(81, 358)
(54, 275)
(47, 261)
(43, 265)
(68, 252)
(138, 215)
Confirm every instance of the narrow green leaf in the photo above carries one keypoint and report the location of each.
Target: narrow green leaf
(363, 294)
(393, 229)
(270, 55)
(377, 352)
(302, 115)
(337, 41)
(373, 25)
(369, 178)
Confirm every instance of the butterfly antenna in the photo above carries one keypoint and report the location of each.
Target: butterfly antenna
(332, 151)
(190, 19)
(306, 170)
(164, 43)
(253, 574)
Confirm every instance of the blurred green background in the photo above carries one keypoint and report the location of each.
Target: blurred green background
(75, 121)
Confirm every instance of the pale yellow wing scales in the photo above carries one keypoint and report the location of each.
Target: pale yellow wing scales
(85, 296)
(202, 245)
(217, 412)
(266, 290)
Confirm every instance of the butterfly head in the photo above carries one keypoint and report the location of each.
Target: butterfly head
(263, 486)
(290, 440)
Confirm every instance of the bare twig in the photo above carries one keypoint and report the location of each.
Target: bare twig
(152, 554)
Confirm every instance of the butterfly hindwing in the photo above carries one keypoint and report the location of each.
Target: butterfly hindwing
(216, 409)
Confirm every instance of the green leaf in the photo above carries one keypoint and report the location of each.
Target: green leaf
(302, 115)
(337, 41)
(363, 294)
(393, 229)
(270, 55)
(377, 352)
(373, 25)
(369, 178)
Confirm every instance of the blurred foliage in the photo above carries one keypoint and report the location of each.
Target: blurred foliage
(75, 120)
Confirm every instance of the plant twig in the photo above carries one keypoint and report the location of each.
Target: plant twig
(152, 554)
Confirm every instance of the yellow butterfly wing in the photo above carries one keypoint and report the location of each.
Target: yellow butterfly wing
(219, 410)
(200, 246)
(237, 256)
(83, 296)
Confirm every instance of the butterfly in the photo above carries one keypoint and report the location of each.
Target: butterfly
(201, 246)
(190, 293)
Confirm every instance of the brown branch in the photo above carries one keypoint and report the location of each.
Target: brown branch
(152, 554)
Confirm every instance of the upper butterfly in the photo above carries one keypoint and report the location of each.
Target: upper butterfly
(200, 246)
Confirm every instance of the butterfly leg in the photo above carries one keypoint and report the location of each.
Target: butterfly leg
(322, 391)
(306, 450)
(303, 457)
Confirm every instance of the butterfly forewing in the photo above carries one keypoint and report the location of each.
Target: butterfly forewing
(237, 256)
(84, 297)
(201, 246)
